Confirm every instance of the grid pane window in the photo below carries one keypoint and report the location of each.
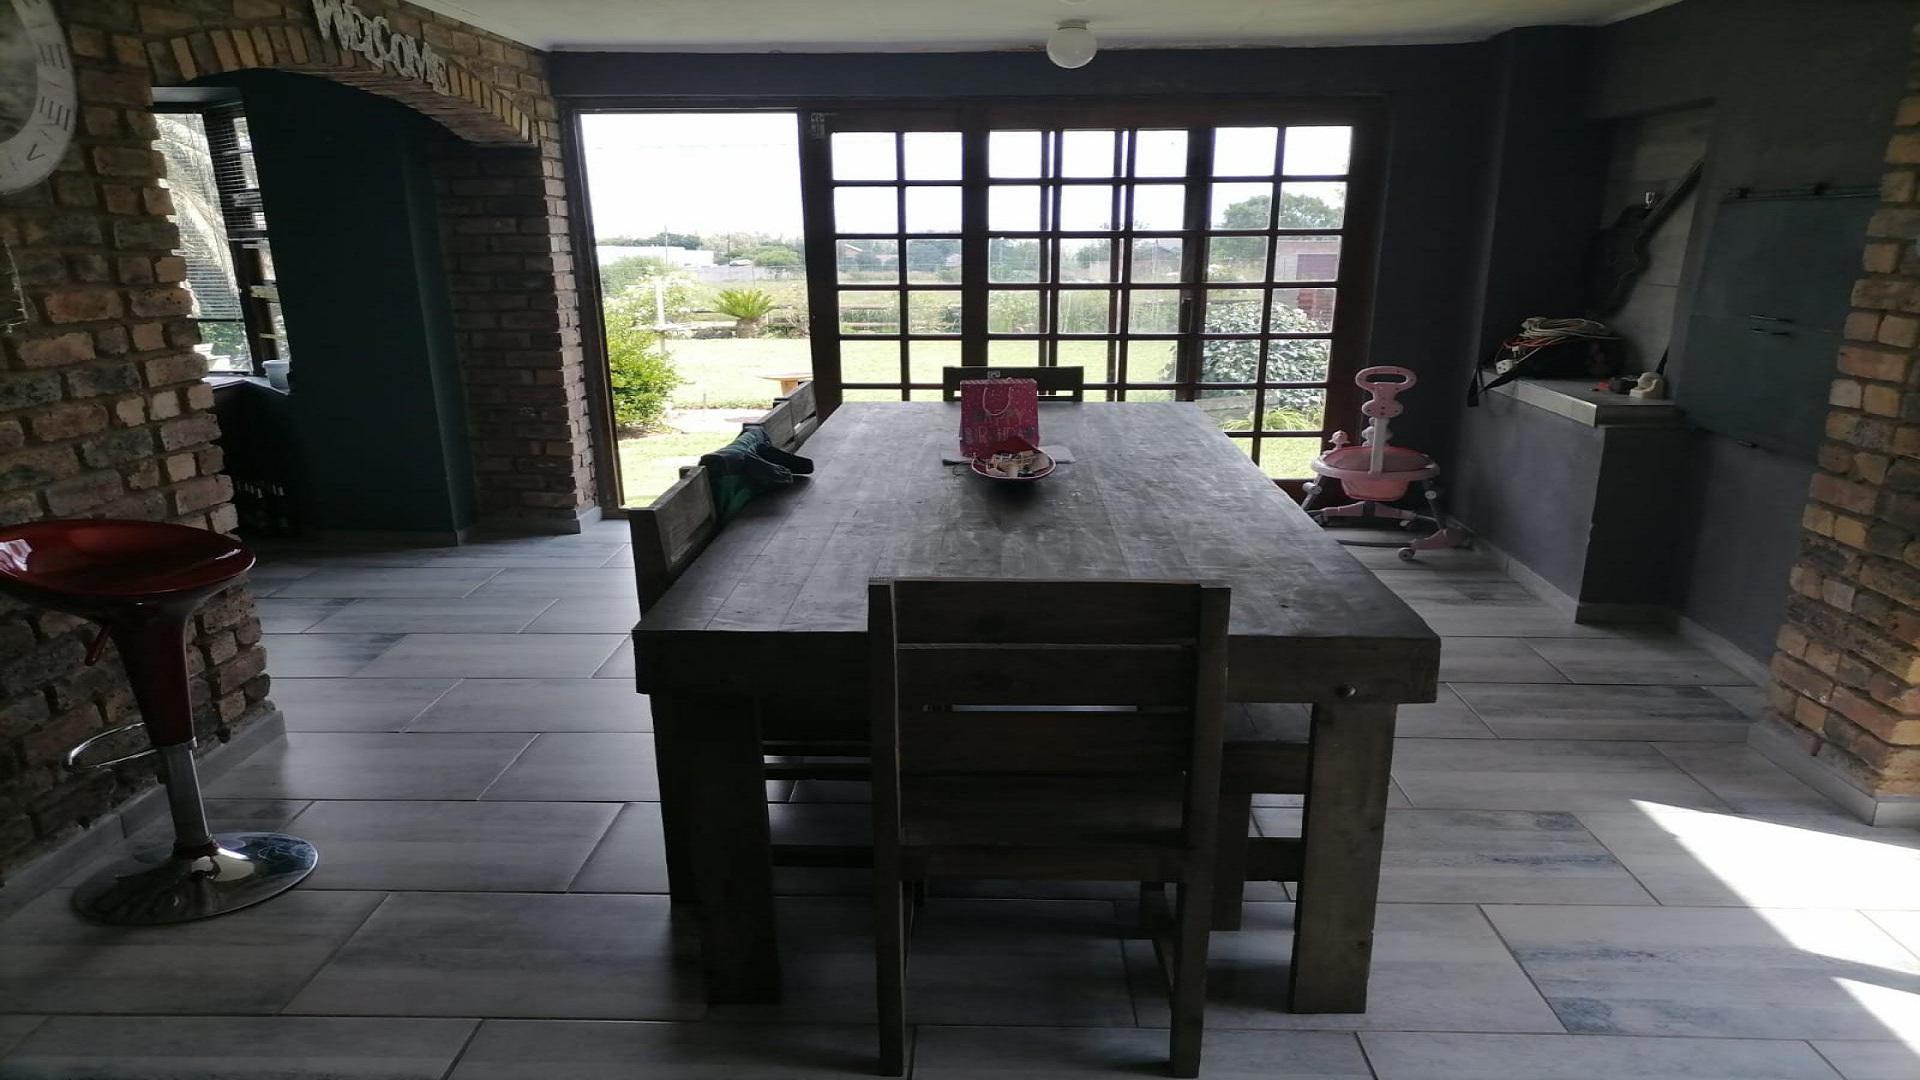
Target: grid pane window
(898, 212)
(1192, 263)
(215, 190)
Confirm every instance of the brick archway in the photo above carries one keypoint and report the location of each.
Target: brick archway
(503, 215)
(287, 38)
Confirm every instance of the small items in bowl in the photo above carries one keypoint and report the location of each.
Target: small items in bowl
(1014, 465)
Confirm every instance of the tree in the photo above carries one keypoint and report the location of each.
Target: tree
(774, 255)
(641, 374)
(746, 307)
(659, 239)
(1297, 211)
(619, 276)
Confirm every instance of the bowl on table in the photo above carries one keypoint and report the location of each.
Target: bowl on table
(1018, 467)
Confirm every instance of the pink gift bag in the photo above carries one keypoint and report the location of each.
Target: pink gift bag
(999, 415)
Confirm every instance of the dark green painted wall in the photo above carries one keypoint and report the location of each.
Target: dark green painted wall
(377, 405)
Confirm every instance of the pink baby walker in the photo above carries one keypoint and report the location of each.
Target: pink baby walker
(1378, 473)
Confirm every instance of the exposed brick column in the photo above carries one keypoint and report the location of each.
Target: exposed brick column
(517, 325)
(102, 413)
(1847, 673)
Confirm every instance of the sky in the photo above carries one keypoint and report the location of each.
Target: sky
(716, 172)
(693, 172)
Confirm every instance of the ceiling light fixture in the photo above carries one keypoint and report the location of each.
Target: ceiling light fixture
(1072, 45)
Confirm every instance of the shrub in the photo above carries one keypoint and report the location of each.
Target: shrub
(1288, 359)
(640, 373)
(746, 307)
(634, 279)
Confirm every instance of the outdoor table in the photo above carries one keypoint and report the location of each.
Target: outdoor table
(776, 607)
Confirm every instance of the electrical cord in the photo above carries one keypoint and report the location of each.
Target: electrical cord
(1536, 333)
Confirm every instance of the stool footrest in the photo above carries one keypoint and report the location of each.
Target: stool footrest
(72, 758)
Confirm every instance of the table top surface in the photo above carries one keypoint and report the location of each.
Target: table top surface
(1154, 492)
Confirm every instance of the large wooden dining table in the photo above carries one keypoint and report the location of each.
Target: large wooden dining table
(775, 609)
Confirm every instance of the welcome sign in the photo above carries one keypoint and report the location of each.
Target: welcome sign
(372, 37)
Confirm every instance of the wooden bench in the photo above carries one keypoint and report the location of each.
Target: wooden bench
(805, 412)
(791, 420)
(806, 739)
(670, 533)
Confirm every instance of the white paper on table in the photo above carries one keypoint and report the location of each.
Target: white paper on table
(1060, 455)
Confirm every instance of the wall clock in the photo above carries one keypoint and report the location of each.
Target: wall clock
(36, 96)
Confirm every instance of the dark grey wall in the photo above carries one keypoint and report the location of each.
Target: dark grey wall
(1801, 91)
(1527, 478)
(1790, 92)
(377, 405)
(1437, 106)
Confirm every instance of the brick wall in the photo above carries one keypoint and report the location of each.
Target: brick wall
(102, 411)
(1847, 669)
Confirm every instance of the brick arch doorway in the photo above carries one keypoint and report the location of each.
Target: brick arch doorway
(502, 220)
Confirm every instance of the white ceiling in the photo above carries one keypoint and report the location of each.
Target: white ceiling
(975, 25)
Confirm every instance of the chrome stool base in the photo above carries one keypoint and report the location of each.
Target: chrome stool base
(154, 887)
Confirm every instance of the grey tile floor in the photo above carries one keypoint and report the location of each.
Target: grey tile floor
(1588, 876)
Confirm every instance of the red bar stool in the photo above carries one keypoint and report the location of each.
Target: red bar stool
(141, 580)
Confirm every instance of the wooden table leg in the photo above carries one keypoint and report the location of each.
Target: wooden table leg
(723, 797)
(1344, 824)
(673, 813)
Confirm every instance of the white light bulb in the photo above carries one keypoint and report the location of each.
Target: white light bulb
(1072, 45)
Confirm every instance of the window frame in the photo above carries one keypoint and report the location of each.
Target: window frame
(1367, 115)
(1346, 336)
(243, 218)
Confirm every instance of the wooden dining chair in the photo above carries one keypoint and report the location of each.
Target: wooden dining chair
(1056, 383)
(1047, 730)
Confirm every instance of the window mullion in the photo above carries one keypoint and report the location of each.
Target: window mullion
(973, 240)
(1193, 262)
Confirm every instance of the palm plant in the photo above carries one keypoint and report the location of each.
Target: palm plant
(746, 307)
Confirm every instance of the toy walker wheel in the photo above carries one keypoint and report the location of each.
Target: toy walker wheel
(1407, 554)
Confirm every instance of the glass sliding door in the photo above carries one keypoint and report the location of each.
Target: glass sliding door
(1218, 253)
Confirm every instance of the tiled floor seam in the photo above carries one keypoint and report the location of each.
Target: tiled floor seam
(1366, 1056)
(481, 797)
(332, 954)
(1517, 962)
(619, 808)
(1824, 1059)
(1912, 950)
(415, 718)
(454, 1065)
(1614, 855)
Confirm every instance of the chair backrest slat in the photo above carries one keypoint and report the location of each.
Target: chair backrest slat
(669, 534)
(1061, 678)
(1046, 674)
(806, 412)
(1055, 383)
(1052, 742)
(778, 424)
